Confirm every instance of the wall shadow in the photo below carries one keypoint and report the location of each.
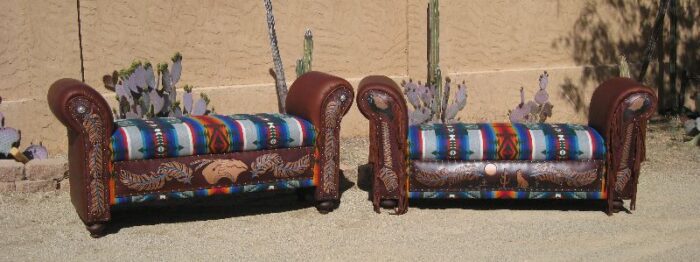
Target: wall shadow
(607, 29)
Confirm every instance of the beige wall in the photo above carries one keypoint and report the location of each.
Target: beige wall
(495, 46)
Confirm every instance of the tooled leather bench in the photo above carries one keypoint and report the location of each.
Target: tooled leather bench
(135, 160)
(600, 160)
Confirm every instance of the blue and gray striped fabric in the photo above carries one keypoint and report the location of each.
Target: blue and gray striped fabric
(504, 141)
(211, 134)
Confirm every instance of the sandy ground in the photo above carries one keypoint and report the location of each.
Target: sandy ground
(665, 226)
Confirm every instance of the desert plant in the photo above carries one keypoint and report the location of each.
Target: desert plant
(140, 94)
(434, 72)
(536, 111)
(36, 151)
(280, 82)
(624, 67)
(422, 99)
(431, 101)
(304, 64)
(9, 137)
(9, 144)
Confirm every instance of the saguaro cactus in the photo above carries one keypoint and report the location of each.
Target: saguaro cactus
(434, 72)
(431, 101)
(280, 82)
(304, 64)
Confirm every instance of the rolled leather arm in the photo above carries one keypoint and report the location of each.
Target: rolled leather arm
(619, 111)
(381, 101)
(90, 124)
(323, 99)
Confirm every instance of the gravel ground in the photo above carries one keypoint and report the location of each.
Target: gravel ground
(665, 226)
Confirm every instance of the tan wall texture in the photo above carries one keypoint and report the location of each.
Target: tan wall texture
(495, 46)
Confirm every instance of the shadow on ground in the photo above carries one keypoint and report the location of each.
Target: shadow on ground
(214, 207)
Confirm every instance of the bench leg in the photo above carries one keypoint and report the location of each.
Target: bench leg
(96, 229)
(617, 205)
(326, 206)
(389, 203)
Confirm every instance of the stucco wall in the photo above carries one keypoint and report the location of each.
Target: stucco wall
(495, 46)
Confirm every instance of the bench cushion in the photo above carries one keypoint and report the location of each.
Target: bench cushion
(504, 141)
(211, 134)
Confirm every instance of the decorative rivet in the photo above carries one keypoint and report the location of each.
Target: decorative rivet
(490, 169)
(81, 109)
(343, 98)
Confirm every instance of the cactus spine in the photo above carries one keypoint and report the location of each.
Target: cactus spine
(304, 64)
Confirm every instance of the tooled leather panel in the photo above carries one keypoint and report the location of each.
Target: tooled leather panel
(329, 147)
(96, 154)
(634, 108)
(585, 175)
(388, 155)
(139, 177)
(380, 100)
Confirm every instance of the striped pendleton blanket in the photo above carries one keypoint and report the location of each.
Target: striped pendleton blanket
(211, 134)
(504, 141)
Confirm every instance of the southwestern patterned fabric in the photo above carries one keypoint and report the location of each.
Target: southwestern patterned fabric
(205, 192)
(509, 195)
(504, 141)
(211, 134)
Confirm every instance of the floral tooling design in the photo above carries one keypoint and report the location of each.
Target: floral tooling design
(152, 181)
(273, 163)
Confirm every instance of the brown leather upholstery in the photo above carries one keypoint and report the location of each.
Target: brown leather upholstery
(323, 99)
(512, 175)
(623, 126)
(309, 93)
(607, 97)
(71, 101)
(619, 111)
(63, 90)
(381, 101)
(320, 98)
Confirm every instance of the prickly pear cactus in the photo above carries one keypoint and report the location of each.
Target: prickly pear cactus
(36, 151)
(422, 98)
(304, 64)
(143, 94)
(9, 137)
(536, 111)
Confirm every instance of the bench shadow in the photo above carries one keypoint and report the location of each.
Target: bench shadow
(214, 207)
(364, 182)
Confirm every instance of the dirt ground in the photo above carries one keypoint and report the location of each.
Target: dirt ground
(665, 226)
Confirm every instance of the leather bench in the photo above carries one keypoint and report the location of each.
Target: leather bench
(137, 160)
(597, 161)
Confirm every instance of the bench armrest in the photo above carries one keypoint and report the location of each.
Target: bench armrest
(323, 99)
(89, 121)
(619, 111)
(381, 101)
